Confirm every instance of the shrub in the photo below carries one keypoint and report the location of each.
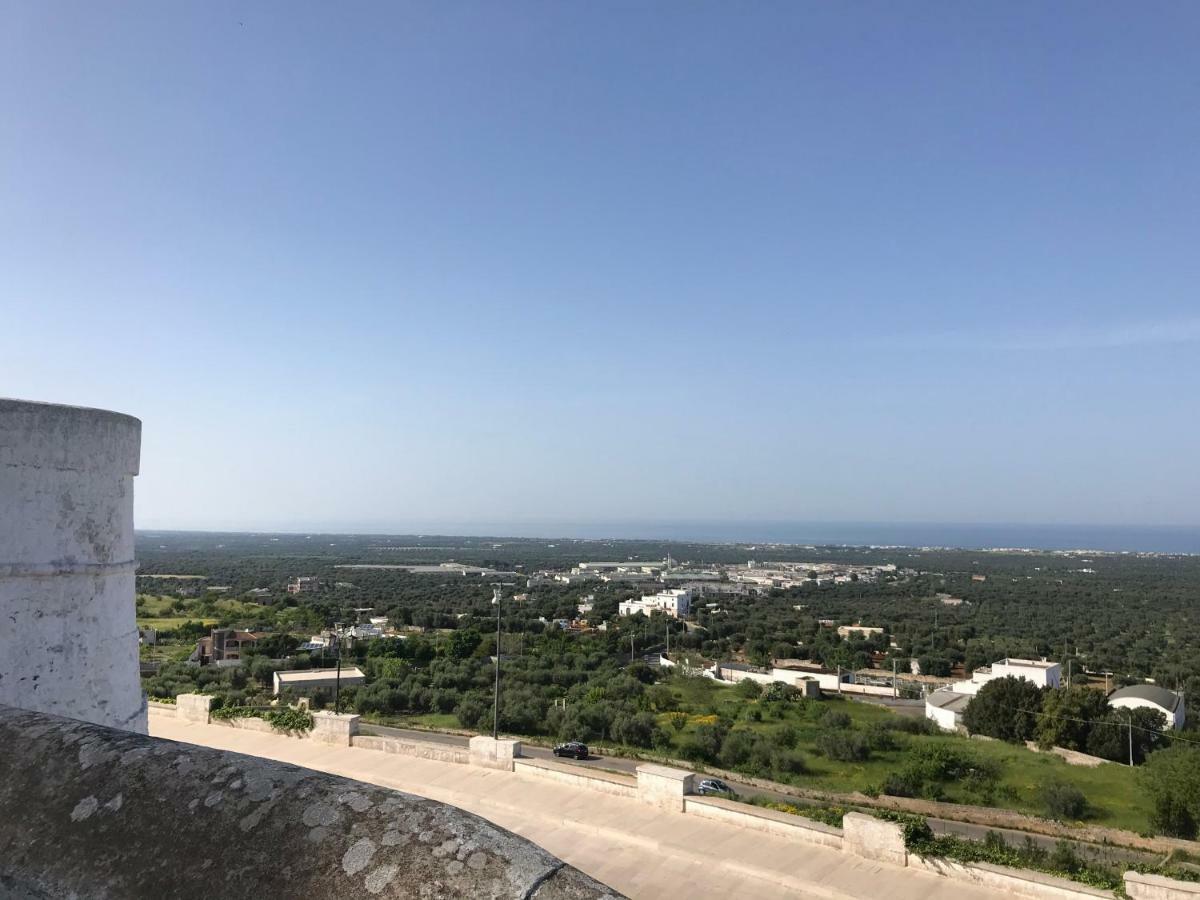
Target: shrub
(748, 690)
(834, 719)
(881, 738)
(1063, 801)
(843, 746)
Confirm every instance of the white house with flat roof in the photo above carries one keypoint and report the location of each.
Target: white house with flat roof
(1151, 696)
(1042, 672)
(305, 681)
(946, 705)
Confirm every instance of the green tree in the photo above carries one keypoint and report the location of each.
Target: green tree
(1068, 716)
(1005, 708)
(461, 644)
(1171, 778)
(1110, 737)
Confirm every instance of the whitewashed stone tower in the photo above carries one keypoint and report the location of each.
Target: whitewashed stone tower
(68, 638)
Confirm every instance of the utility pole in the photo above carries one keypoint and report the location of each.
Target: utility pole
(496, 590)
(631, 649)
(1131, 739)
(1070, 663)
(337, 683)
(895, 691)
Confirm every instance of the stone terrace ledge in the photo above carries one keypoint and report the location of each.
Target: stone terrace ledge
(90, 811)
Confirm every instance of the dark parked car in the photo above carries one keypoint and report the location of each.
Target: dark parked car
(573, 749)
(715, 786)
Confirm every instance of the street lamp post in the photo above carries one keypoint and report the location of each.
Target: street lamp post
(496, 591)
(337, 682)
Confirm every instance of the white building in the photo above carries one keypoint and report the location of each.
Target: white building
(675, 603)
(945, 705)
(305, 681)
(1041, 672)
(1151, 696)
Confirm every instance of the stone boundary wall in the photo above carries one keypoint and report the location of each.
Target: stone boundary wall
(493, 753)
(1072, 757)
(407, 747)
(1014, 882)
(1155, 887)
(873, 838)
(760, 819)
(603, 782)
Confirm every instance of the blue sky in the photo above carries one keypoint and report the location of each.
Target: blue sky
(393, 266)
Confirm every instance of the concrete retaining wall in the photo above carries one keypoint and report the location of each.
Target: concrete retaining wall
(193, 708)
(758, 819)
(874, 838)
(663, 787)
(69, 641)
(1013, 882)
(334, 728)
(250, 723)
(493, 753)
(420, 749)
(1155, 887)
(576, 776)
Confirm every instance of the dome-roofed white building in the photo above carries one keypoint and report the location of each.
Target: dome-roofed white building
(1150, 696)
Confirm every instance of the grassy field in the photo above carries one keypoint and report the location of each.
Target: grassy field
(156, 610)
(1111, 789)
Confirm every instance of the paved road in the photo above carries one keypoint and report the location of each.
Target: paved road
(629, 767)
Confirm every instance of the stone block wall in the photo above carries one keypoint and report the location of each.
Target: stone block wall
(874, 838)
(193, 708)
(663, 786)
(494, 753)
(1155, 887)
(334, 728)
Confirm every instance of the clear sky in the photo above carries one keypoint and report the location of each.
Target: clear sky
(393, 265)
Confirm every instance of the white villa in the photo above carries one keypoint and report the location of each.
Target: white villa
(676, 603)
(945, 706)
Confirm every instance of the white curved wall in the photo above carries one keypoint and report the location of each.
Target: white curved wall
(68, 639)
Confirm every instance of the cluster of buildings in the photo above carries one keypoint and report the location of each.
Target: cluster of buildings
(946, 705)
(796, 574)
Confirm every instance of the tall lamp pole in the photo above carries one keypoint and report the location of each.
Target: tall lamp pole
(337, 683)
(496, 590)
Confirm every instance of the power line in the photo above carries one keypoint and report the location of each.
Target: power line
(1115, 724)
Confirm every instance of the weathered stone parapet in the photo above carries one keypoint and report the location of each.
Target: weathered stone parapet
(69, 642)
(1156, 887)
(193, 708)
(95, 812)
(663, 786)
(874, 838)
(334, 728)
(494, 753)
